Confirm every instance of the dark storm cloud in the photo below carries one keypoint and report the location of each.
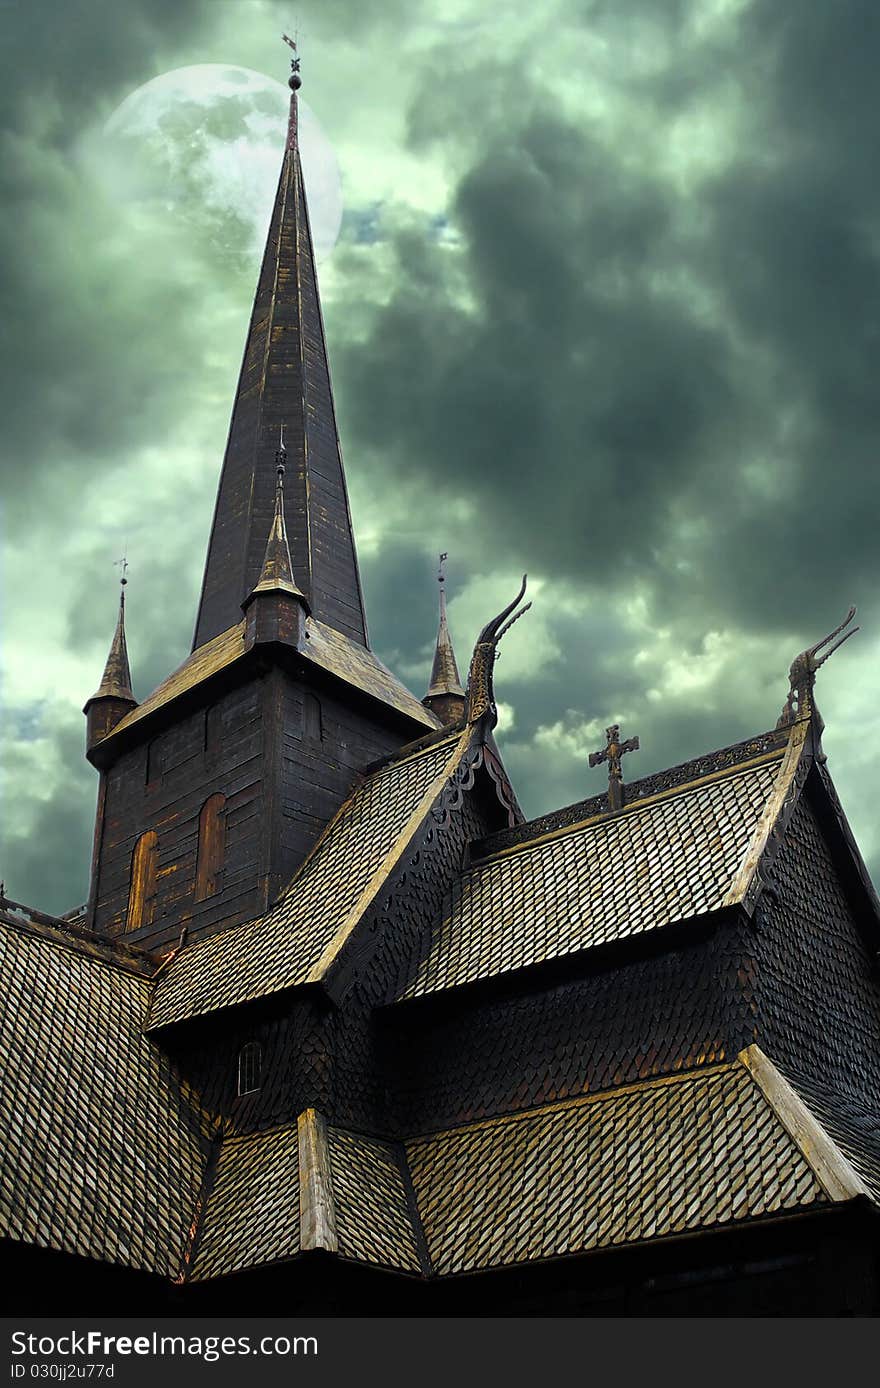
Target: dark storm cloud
(70, 56)
(622, 387)
(49, 864)
(84, 362)
(603, 424)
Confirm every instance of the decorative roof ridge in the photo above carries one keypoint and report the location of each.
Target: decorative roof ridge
(317, 847)
(484, 851)
(766, 839)
(648, 788)
(578, 1100)
(832, 1170)
(76, 937)
(317, 1200)
(383, 870)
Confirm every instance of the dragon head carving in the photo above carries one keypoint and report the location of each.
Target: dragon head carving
(480, 695)
(802, 677)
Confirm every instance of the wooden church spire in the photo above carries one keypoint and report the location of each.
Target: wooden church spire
(285, 377)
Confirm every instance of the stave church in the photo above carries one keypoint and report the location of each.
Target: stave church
(340, 1032)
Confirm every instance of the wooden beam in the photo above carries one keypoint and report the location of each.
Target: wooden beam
(831, 1168)
(767, 837)
(317, 1208)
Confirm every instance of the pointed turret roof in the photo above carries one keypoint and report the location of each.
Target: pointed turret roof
(445, 678)
(284, 377)
(116, 681)
(276, 575)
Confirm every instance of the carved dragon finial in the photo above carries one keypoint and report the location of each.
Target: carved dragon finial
(802, 678)
(480, 696)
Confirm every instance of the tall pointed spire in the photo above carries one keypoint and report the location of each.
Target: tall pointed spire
(284, 376)
(113, 698)
(445, 695)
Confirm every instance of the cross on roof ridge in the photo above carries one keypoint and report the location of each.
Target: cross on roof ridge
(612, 752)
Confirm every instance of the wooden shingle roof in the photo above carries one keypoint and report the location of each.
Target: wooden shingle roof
(296, 941)
(665, 859)
(104, 1146)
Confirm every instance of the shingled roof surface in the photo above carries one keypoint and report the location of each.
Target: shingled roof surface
(374, 1223)
(662, 1157)
(104, 1148)
(711, 1147)
(659, 861)
(252, 1212)
(291, 944)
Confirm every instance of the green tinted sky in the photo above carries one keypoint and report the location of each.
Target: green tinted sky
(605, 308)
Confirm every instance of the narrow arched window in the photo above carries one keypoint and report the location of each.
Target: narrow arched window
(250, 1067)
(142, 888)
(313, 726)
(213, 719)
(212, 847)
(154, 762)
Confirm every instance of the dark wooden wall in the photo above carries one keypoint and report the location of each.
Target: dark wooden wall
(283, 772)
(819, 987)
(476, 1053)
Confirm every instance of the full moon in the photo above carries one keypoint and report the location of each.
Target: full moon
(209, 139)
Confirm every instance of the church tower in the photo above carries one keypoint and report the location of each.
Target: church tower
(217, 785)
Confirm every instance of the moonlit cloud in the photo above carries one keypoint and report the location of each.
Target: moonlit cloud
(603, 308)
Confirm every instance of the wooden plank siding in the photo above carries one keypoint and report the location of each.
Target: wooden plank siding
(282, 770)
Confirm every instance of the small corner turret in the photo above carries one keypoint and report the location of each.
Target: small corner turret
(113, 698)
(445, 696)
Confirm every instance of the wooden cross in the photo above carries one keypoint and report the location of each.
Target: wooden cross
(612, 752)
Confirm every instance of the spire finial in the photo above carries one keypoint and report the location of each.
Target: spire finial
(294, 81)
(122, 566)
(280, 462)
(441, 579)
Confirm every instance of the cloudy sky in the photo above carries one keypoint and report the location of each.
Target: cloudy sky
(604, 307)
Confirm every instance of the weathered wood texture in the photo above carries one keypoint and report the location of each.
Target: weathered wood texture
(820, 995)
(479, 1053)
(211, 852)
(285, 379)
(142, 889)
(236, 794)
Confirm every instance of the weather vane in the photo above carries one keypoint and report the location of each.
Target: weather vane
(122, 565)
(294, 81)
